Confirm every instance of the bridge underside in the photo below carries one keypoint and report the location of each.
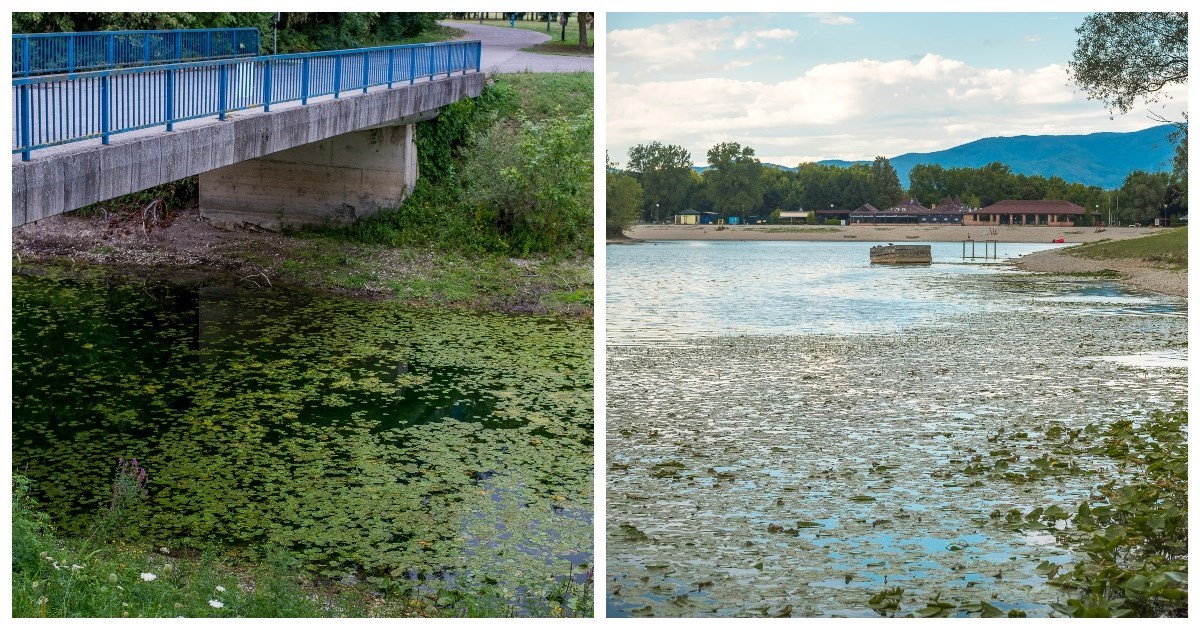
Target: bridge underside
(333, 160)
(333, 181)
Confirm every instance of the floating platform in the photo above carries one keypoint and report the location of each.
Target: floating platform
(902, 254)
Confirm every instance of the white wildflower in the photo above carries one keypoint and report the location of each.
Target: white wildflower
(120, 588)
(76, 567)
(220, 589)
(125, 604)
(216, 603)
(164, 550)
(42, 600)
(35, 584)
(149, 577)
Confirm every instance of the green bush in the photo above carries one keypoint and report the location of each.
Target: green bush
(533, 185)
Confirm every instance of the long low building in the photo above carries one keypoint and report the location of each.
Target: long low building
(949, 212)
(1048, 212)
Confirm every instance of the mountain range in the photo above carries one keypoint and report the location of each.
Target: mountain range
(1095, 159)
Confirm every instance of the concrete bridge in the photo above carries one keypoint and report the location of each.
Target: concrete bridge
(277, 141)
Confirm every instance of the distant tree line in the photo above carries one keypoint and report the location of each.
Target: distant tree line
(298, 32)
(738, 184)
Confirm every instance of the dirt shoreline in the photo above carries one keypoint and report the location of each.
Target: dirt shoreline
(1133, 273)
(183, 243)
(883, 233)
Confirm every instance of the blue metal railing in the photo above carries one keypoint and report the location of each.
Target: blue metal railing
(52, 53)
(53, 110)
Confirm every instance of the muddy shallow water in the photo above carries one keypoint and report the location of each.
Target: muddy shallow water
(780, 460)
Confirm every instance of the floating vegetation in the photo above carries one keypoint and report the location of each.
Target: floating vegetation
(370, 441)
(929, 469)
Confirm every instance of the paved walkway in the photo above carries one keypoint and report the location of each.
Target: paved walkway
(502, 50)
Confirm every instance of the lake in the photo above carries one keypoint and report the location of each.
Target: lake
(792, 431)
(366, 439)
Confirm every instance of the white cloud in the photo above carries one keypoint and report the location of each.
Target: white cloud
(691, 46)
(832, 19)
(855, 109)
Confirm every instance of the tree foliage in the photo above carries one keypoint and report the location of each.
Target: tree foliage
(623, 202)
(665, 173)
(885, 184)
(734, 179)
(298, 32)
(1144, 196)
(1123, 58)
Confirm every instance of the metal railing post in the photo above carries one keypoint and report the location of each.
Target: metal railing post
(147, 47)
(304, 81)
(104, 109)
(366, 71)
(112, 51)
(337, 75)
(70, 54)
(170, 104)
(412, 66)
(222, 91)
(267, 86)
(391, 65)
(432, 63)
(25, 56)
(26, 123)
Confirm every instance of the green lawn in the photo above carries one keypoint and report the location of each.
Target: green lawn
(1165, 249)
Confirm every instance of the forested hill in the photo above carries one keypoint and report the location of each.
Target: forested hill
(1097, 159)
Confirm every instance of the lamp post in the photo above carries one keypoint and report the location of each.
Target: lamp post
(657, 216)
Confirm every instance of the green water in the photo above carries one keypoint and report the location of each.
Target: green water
(365, 438)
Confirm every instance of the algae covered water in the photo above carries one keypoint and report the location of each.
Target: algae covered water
(793, 432)
(365, 439)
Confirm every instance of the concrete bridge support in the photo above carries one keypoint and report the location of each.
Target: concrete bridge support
(333, 181)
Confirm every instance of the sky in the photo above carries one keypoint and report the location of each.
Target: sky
(802, 87)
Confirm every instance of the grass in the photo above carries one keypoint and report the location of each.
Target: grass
(55, 577)
(543, 95)
(1167, 249)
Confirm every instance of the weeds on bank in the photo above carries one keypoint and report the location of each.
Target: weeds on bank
(96, 577)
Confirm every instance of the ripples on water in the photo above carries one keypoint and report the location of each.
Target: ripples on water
(754, 386)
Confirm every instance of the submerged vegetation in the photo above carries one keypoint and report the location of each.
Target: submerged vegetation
(410, 453)
(1128, 541)
(946, 457)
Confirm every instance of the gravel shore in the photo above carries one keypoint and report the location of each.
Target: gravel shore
(1134, 273)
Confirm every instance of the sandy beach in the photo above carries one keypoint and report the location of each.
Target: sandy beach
(1134, 273)
(898, 233)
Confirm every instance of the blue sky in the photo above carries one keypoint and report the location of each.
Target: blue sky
(810, 86)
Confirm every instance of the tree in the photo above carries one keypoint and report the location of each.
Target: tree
(666, 177)
(885, 184)
(1121, 58)
(583, 19)
(623, 202)
(735, 182)
(1143, 196)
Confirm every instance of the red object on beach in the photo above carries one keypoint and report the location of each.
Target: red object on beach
(1059, 240)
